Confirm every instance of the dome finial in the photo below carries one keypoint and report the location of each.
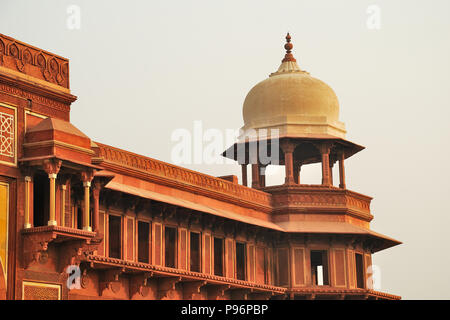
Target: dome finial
(288, 46)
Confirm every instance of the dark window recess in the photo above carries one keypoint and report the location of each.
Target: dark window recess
(240, 261)
(79, 212)
(359, 270)
(319, 268)
(143, 241)
(170, 246)
(41, 200)
(114, 236)
(218, 257)
(195, 252)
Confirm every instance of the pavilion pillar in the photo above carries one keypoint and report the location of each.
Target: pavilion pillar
(86, 177)
(297, 168)
(27, 223)
(52, 167)
(255, 175)
(63, 204)
(331, 172)
(341, 171)
(244, 174)
(325, 153)
(262, 178)
(96, 197)
(288, 149)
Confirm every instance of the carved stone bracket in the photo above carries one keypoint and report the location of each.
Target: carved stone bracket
(165, 285)
(73, 252)
(192, 287)
(217, 291)
(138, 284)
(35, 246)
(240, 294)
(230, 229)
(52, 166)
(110, 280)
(207, 221)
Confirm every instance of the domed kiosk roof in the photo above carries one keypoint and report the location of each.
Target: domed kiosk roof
(294, 102)
(291, 104)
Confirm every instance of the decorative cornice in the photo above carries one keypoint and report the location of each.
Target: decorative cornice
(139, 266)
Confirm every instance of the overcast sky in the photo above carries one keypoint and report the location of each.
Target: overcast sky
(143, 69)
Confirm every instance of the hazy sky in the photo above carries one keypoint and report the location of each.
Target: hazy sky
(142, 69)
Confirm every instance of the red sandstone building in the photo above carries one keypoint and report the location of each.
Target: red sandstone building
(138, 228)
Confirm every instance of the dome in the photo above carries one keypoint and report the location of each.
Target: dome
(295, 103)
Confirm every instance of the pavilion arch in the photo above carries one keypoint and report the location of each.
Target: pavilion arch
(304, 153)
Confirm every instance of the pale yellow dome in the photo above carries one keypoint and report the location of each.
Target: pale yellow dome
(293, 102)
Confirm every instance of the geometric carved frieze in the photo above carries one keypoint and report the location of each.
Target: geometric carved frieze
(7, 134)
(40, 291)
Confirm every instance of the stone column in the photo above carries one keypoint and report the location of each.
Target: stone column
(341, 170)
(52, 167)
(96, 197)
(255, 175)
(244, 174)
(288, 149)
(27, 223)
(262, 178)
(63, 205)
(331, 172)
(86, 177)
(297, 168)
(325, 152)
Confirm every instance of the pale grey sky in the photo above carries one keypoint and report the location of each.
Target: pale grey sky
(142, 69)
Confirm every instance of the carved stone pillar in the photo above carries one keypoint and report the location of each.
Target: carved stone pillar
(262, 177)
(325, 152)
(27, 223)
(297, 168)
(288, 149)
(96, 197)
(63, 205)
(86, 177)
(341, 170)
(244, 175)
(331, 171)
(52, 167)
(255, 175)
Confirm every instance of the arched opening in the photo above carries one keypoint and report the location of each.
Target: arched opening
(307, 164)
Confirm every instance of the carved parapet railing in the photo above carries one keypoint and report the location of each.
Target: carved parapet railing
(110, 155)
(318, 198)
(72, 244)
(31, 61)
